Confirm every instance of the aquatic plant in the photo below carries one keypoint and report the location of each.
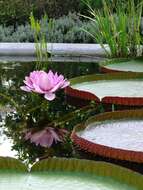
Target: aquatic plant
(46, 137)
(115, 135)
(44, 83)
(48, 84)
(40, 41)
(118, 25)
(76, 173)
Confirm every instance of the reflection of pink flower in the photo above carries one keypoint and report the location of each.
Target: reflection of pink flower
(46, 137)
(44, 83)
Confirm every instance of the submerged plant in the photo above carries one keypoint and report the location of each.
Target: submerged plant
(118, 25)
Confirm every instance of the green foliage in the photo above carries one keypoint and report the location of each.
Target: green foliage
(68, 29)
(64, 29)
(96, 4)
(40, 41)
(55, 8)
(15, 12)
(119, 27)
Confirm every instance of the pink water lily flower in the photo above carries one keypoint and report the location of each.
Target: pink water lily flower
(44, 83)
(46, 137)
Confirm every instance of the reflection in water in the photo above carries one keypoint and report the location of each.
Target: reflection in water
(11, 78)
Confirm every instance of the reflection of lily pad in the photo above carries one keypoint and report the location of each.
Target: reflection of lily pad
(119, 88)
(67, 174)
(122, 65)
(116, 135)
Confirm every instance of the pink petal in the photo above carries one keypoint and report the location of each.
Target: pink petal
(60, 78)
(42, 138)
(28, 82)
(36, 136)
(54, 134)
(66, 83)
(25, 88)
(44, 82)
(57, 78)
(35, 75)
(51, 76)
(56, 87)
(37, 89)
(28, 135)
(46, 141)
(50, 96)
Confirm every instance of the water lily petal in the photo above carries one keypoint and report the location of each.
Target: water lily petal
(44, 82)
(66, 83)
(28, 135)
(43, 138)
(25, 88)
(37, 89)
(35, 137)
(54, 135)
(47, 140)
(56, 87)
(28, 82)
(50, 96)
(51, 76)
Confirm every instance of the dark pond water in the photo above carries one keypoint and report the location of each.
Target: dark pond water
(11, 142)
(11, 78)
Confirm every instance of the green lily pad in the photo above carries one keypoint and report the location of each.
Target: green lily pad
(128, 85)
(67, 174)
(112, 88)
(123, 65)
(116, 135)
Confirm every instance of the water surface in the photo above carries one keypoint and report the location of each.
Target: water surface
(12, 75)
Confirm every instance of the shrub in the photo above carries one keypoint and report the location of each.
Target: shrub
(64, 29)
(67, 29)
(15, 12)
(55, 8)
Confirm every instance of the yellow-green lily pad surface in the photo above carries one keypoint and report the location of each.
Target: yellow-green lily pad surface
(67, 174)
(123, 65)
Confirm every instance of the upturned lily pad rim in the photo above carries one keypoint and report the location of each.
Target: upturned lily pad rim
(106, 151)
(103, 169)
(84, 95)
(103, 65)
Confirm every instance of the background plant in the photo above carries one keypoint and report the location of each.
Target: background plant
(68, 29)
(64, 29)
(16, 12)
(118, 25)
(40, 40)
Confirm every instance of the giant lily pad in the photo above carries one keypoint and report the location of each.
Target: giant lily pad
(117, 135)
(117, 88)
(67, 174)
(122, 65)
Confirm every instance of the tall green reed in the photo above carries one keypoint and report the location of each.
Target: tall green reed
(118, 25)
(40, 41)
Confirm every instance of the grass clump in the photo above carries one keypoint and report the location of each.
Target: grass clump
(118, 25)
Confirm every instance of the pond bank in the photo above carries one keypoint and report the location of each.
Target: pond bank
(61, 52)
(61, 49)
